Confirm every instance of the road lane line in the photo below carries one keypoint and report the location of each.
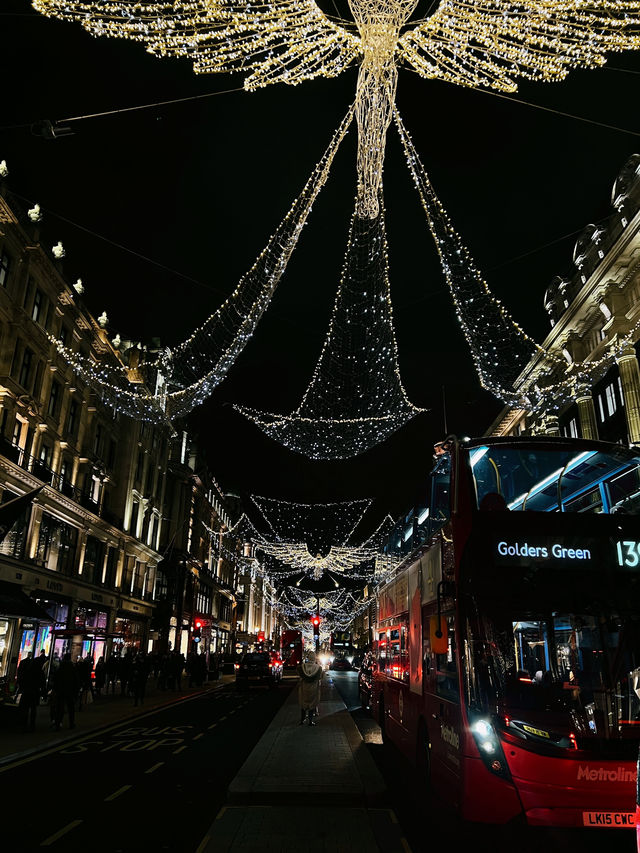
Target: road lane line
(179, 749)
(196, 737)
(116, 793)
(203, 844)
(221, 812)
(212, 726)
(222, 718)
(56, 835)
(155, 767)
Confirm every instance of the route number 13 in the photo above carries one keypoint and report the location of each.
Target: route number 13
(628, 553)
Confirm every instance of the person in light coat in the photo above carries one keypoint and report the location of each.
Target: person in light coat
(310, 680)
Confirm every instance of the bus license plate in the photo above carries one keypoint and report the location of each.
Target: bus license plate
(599, 819)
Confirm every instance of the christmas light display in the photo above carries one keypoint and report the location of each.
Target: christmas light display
(355, 398)
(489, 43)
(296, 555)
(182, 378)
(324, 525)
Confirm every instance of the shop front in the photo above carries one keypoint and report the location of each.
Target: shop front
(22, 623)
(132, 624)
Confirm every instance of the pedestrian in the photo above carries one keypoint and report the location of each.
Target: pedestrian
(310, 680)
(139, 675)
(101, 676)
(111, 671)
(30, 684)
(84, 669)
(66, 686)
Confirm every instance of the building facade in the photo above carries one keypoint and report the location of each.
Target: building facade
(126, 542)
(591, 311)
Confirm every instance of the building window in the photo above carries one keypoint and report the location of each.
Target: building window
(93, 559)
(24, 376)
(571, 429)
(139, 466)
(109, 574)
(46, 454)
(37, 310)
(55, 396)
(97, 442)
(14, 542)
(133, 526)
(57, 544)
(5, 263)
(610, 396)
(63, 334)
(72, 419)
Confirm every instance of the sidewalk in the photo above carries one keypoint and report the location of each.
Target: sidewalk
(307, 789)
(108, 710)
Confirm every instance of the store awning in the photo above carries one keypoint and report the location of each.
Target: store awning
(13, 602)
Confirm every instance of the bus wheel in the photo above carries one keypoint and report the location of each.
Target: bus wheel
(423, 756)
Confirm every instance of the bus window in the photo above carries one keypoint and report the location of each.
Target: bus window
(446, 667)
(394, 660)
(426, 649)
(404, 654)
(382, 651)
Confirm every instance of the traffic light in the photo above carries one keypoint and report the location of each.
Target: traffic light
(196, 631)
(315, 621)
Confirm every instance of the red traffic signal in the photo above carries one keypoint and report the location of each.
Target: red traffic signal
(261, 636)
(315, 621)
(198, 624)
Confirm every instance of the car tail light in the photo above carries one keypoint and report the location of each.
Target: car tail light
(237, 665)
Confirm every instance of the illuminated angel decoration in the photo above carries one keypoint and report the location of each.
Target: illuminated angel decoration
(484, 43)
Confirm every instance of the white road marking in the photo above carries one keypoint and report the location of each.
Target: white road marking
(56, 835)
(116, 793)
(155, 767)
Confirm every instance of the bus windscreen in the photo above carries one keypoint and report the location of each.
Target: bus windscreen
(556, 478)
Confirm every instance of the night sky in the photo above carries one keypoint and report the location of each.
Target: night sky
(198, 187)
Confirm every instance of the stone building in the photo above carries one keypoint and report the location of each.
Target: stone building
(198, 575)
(78, 570)
(591, 310)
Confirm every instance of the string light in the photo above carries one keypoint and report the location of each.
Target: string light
(182, 378)
(509, 363)
(355, 398)
(325, 524)
(485, 43)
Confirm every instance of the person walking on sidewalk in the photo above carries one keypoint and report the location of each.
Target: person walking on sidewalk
(66, 685)
(310, 673)
(30, 684)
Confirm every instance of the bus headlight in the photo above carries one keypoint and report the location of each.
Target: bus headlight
(489, 747)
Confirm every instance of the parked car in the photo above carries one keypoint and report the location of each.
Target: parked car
(340, 665)
(258, 668)
(365, 679)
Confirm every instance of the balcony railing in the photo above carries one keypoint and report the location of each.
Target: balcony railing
(47, 476)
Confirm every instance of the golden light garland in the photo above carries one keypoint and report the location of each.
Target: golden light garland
(181, 378)
(486, 43)
(355, 398)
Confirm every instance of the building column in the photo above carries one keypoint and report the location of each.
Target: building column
(630, 381)
(551, 425)
(586, 412)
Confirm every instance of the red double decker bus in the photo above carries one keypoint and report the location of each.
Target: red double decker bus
(291, 648)
(508, 641)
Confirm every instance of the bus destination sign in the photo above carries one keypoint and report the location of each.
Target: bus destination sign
(570, 552)
(549, 550)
